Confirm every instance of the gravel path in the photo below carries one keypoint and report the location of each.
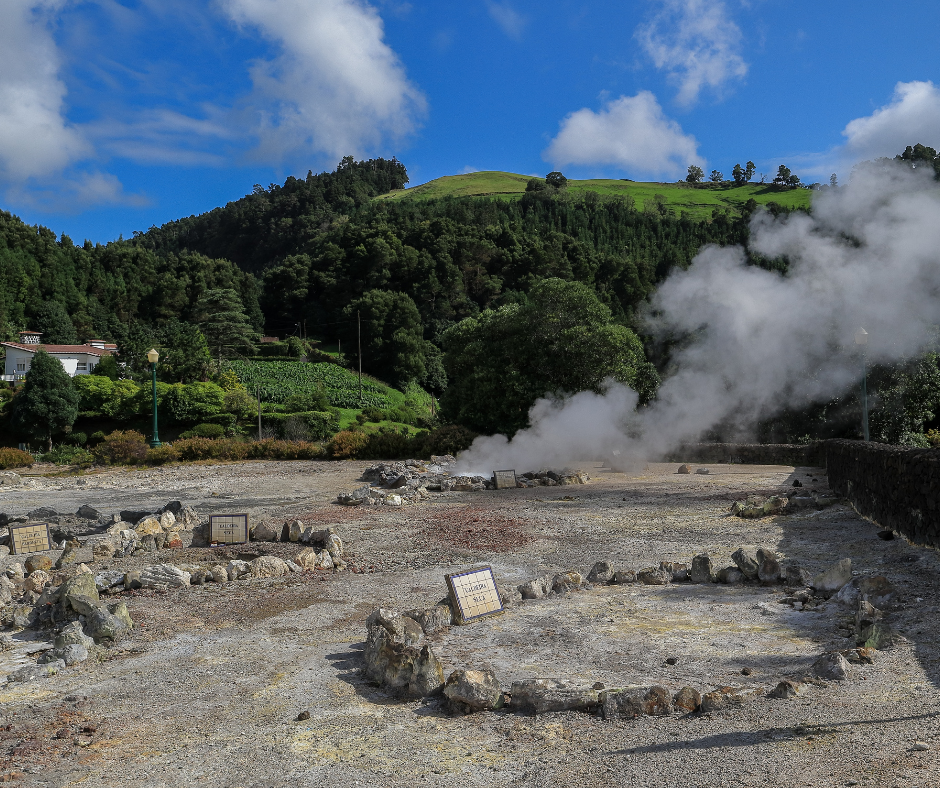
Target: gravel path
(207, 690)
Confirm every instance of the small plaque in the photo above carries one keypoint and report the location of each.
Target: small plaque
(32, 538)
(504, 480)
(228, 528)
(473, 594)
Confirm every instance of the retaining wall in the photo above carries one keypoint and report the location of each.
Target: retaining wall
(897, 487)
(810, 454)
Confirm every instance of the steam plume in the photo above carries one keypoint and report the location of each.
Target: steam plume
(757, 341)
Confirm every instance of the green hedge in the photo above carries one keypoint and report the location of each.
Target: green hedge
(319, 425)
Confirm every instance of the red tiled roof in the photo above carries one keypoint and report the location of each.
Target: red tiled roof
(87, 349)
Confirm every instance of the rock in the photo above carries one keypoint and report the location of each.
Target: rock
(25, 616)
(477, 690)
(238, 569)
(636, 701)
(294, 529)
(73, 634)
(334, 546)
(796, 577)
(564, 582)
(38, 563)
(537, 588)
(877, 636)
(722, 698)
(544, 695)
(878, 590)
(108, 579)
(109, 624)
(687, 699)
(37, 581)
(307, 558)
(432, 619)
(33, 672)
(116, 529)
(730, 575)
(186, 518)
(168, 521)
(265, 532)
(219, 574)
(268, 566)
(624, 577)
(684, 469)
(163, 576)
(831, 666)
(886, 535)
(701, 571)
(768, 567)
(678, 573)
(11, 479)
(173, 540)
(746, 563)
(160, 540)
(132, 516)
(860, 656)
(508, 595)
(149, 525)
(79, 592)
(834, 577)
(787, 689)
(42, 513)
(4, 551)
(200, 535)
(653, 576)
(413, 670)
(69, 554)
(920, 746)
(866, 614)
(199, 576)
(87, 512)
(71, 654)
(148, 543)
(103, 550)
(703, 471)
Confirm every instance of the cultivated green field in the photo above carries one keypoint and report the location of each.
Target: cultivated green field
(698, 202)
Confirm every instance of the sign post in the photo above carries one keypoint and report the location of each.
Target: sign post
(473, 594)
(504, 480)
(228, 528)
(32, 538)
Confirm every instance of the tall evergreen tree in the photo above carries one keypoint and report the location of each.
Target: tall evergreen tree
(47, 403)
(52, 320)
(224, 323)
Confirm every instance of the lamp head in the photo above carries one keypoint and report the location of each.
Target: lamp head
(153, 357)
(861, 337)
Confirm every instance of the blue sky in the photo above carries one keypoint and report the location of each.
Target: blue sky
(119, 114)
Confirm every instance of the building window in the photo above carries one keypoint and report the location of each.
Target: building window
(20, 366)
(82, 366)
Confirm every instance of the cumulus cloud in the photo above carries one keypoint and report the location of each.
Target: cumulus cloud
(335, 86)
(696, 43)
(35, 138)
(630, 132)
(511, 21)
(912, 116)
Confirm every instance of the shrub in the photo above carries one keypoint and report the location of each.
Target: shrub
(373, 414)
(450, 439)
(312, 425)
(361, 418)
(387, 444)
(347, 444)
(96, 437)
(192, 402)
(14, 458)
(63, 454)
(121, 447)
(201, 449)
(204, 431)
(163, 454)
(77, 438)
(239, 403)
(312, 400)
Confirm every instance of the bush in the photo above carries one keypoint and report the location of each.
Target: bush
(361, 418)
(63, 454)
(204, 431)
(319, 425)
(77, 438)
(347, 445)
(193, 402)
(374, 414)
(14, 458)
(450, 439)
(239, 403)
(163, 454)
(201, 449)
(96, 437)
(121, 447)
(313, 400)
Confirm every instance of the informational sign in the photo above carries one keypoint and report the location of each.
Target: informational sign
(473, 594)
(504, 480)
(228, 528)
(32, 538)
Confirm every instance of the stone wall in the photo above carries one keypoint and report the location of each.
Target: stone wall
(897, 487)
(810, 454)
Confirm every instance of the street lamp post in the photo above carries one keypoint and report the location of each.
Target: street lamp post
(861, 339)
(153, 357)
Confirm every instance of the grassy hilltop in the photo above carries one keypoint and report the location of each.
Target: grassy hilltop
(698, 201)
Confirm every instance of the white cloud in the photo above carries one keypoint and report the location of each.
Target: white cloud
(696, 42)
(912, 116)
(631, 133)
(511, 21)
(336, 86)
(35, 138)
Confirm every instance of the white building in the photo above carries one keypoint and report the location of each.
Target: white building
(75, 359)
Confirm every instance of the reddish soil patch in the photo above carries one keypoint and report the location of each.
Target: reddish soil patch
(474, 528)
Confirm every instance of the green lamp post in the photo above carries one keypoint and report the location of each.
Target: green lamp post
(861, 339)
(153, 357)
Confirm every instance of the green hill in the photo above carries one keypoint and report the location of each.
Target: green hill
(698, 201)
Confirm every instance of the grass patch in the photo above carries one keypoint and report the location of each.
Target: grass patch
(697, 201)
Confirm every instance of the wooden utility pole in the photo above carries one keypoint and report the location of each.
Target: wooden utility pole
(258, 392)
(359, 324)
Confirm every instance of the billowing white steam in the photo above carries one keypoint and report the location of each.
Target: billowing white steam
(758, 341)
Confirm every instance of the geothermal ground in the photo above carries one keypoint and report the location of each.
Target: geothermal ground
(208, 688)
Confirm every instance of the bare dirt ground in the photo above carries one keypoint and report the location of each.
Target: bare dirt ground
(207, 690)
